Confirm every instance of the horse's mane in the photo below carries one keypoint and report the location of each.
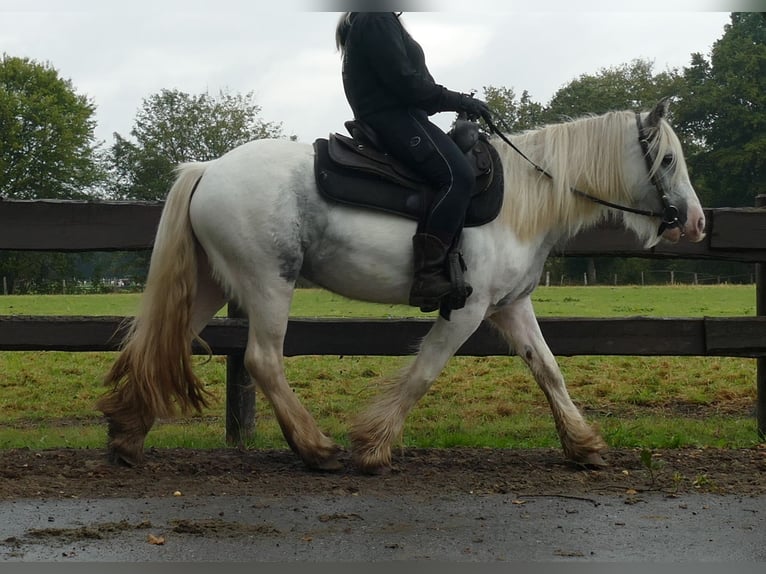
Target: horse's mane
(585, 153)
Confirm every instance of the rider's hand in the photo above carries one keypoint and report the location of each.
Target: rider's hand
(475, 108)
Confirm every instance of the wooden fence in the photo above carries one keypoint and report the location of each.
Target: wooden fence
(733, 235)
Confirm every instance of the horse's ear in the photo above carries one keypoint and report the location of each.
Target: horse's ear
(659, 111)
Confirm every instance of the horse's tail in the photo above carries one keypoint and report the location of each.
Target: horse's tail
(153, 373)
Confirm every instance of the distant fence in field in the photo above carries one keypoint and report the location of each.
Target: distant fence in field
(68, 226)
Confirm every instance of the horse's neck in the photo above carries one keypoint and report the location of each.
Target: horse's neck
(535, 205)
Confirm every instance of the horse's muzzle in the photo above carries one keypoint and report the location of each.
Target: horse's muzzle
(693, 230)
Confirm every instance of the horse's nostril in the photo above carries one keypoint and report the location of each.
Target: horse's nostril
(701, 224)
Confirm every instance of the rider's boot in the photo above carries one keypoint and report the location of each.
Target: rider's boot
(431, 282)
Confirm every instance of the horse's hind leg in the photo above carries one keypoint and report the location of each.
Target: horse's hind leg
(210, 295)
(518, 324)
(130, 420)
(268, 312)
(376, 430)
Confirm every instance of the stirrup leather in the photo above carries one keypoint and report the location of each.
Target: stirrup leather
(460, 289)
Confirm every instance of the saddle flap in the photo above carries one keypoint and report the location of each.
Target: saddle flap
(482, 160)
(352, 154)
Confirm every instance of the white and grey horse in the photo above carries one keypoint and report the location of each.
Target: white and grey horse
(245, 226)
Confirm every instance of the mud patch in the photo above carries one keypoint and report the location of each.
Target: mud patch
(88, 532)
(221, 528)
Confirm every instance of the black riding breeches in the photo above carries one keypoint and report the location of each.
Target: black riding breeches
(409, 136)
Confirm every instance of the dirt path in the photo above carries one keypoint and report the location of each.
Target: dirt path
(68, 473)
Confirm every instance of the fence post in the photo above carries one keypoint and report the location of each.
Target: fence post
(240, 394)
(760, 309)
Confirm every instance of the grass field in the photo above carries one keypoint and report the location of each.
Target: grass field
(654, 301)
(46, 399)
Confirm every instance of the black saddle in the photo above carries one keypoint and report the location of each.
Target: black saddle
(354, 171)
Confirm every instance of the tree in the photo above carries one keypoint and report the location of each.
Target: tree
(174, 127)
(515, 115)
(723, 114)
(632, 86)
(47, 143)
(47, 150)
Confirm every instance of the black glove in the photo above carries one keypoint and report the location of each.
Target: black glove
(473, 107)
(476, 108)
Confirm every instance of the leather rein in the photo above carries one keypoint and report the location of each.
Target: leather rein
(669, 216)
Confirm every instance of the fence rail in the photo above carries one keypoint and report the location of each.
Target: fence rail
(733, 235)
(47, 225)
(645, 336)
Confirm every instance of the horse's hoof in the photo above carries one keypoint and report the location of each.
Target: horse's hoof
(122, 458)
(331, 464)
(326, 460)
(124, 452)
(376, 470)
(372, 468)
(592, 460)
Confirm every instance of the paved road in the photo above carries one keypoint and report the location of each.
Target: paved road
(693, 527)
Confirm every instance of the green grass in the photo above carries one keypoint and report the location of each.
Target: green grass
(46, 399)
(116, 304)
(650, 301)
(596, 301)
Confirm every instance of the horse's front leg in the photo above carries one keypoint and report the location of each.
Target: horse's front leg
(519, 326)
(375, 431)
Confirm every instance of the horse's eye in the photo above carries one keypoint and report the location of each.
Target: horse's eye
(667, 160)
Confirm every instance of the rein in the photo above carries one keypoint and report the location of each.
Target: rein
(669, 214)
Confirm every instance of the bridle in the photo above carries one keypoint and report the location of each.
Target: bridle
(669, 216)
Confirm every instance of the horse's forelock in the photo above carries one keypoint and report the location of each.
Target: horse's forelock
(663, 142)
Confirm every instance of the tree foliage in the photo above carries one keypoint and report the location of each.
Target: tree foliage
(723, 114)
(631, 86)
(47, 144)
(47, 151)
(172, 127)
(515, 114)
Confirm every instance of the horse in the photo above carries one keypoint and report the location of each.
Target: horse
(245, 226)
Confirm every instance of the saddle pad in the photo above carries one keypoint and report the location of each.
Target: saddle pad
(371, 190)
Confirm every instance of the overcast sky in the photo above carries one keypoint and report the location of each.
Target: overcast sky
(118, 55)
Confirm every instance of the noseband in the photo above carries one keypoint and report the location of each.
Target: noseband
(669, 216)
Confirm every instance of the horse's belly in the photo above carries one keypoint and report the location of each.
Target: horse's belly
(363, 255)
(372, 279)
(356, 284)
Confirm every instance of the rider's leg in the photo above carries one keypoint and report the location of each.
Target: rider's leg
(412, 138)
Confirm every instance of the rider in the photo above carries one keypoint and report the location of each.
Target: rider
(389, 88)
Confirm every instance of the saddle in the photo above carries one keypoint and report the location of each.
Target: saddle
(355, 171)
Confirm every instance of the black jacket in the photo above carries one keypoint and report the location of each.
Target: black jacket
(384, 67)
